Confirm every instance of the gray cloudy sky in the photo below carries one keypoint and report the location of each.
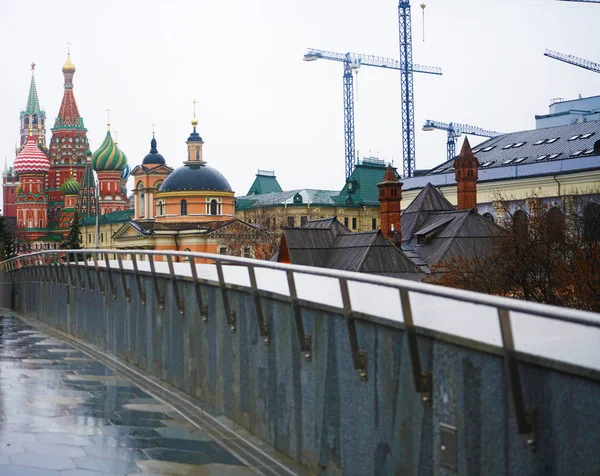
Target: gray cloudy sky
(259, 104)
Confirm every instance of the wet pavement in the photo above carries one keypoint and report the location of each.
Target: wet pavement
(63, 413)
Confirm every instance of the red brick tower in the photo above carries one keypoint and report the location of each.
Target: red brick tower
(390, 196)
(466, 167)
(68, 146)
(32, 165)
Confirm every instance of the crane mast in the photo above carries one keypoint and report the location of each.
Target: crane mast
(407, 92)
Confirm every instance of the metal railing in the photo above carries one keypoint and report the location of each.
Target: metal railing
(74, 268)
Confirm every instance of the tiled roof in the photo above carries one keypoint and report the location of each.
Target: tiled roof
(529, 153)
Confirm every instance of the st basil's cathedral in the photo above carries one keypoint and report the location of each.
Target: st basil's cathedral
(48, 183)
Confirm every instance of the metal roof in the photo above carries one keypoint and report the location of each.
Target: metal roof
(552, 150)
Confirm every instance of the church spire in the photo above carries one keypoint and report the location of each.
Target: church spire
(68, 115)
(33, 103)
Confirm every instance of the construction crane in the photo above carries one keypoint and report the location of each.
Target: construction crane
(353, 62)
(574, 60)
(455, 130)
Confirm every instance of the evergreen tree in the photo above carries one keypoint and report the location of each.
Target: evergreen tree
(73, 240)
(8, 248)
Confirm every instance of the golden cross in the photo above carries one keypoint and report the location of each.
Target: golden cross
(153, 129)
(68, 47)
(194, 102)
(108, 115)
(116, 133)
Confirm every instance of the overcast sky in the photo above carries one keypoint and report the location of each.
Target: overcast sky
(259, 104)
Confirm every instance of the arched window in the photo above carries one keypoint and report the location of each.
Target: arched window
(488, 216)
(184, 210)
(142, 201)
(214, 205)
(160, 208)
(554, 224)
(591, 222)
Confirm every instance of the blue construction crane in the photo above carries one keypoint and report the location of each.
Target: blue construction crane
(455, 130)
(352, 62)
(574, 60)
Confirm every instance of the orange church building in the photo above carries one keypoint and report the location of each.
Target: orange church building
(190, 208)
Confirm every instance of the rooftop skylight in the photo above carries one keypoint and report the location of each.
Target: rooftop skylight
(586, 136)
(487, 149)
(542, 157)
(509, 161)
(552, 141)
(519, 160)
(554, 156)
(486, 164)
(576, 153)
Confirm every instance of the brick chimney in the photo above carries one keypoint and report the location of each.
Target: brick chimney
(390, 196)
(466, 168)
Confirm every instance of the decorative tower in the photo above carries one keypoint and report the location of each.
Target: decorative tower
(86, 201)
(148, 178)
(70, 189)
(68, 145)
(32, 165)
(109, 162)
(390, 197)
(466, 167)
(37, 115)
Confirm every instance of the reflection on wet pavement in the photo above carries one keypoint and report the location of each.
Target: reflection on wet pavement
(62, 413)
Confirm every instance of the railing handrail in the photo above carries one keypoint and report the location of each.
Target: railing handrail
(585, 318)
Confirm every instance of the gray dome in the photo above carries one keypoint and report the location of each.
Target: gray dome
(195, 177)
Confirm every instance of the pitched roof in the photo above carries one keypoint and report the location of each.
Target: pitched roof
(336, 247)
(365, 177)
(556, 150)
(430, 199)
(264, 183)
(291, 197)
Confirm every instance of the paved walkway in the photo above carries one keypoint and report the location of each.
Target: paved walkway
(62, 413)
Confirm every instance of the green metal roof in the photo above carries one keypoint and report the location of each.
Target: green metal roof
(112, 217)
(264, 183)
(365, 177)
(300, 197)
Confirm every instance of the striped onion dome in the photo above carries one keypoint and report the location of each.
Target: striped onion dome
(31, 160)
(108, 156)
(126, 172)
(70, 186)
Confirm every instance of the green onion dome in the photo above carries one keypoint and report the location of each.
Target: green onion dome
(70, 186)
(108, 156)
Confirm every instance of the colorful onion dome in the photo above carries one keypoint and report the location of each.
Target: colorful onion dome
(31, 160)
(109, 156)
(68, 67)
(70, 186)
(126, 172)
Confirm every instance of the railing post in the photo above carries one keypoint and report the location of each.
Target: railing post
(359, 357)
(304, 339)
(138, 280)
(526, 419)
(113, 288)
(88, 273)
(160, 300)
(262, 325)
(126, 290)
(423, 381)
(203, 308)
(229, 314)
(70, 271)
(100, 284)
(178, 300)
(80, 278)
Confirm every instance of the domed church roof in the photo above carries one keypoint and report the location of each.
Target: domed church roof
(153, 157)
(109, 156)
(31, 159)
(195, 177)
